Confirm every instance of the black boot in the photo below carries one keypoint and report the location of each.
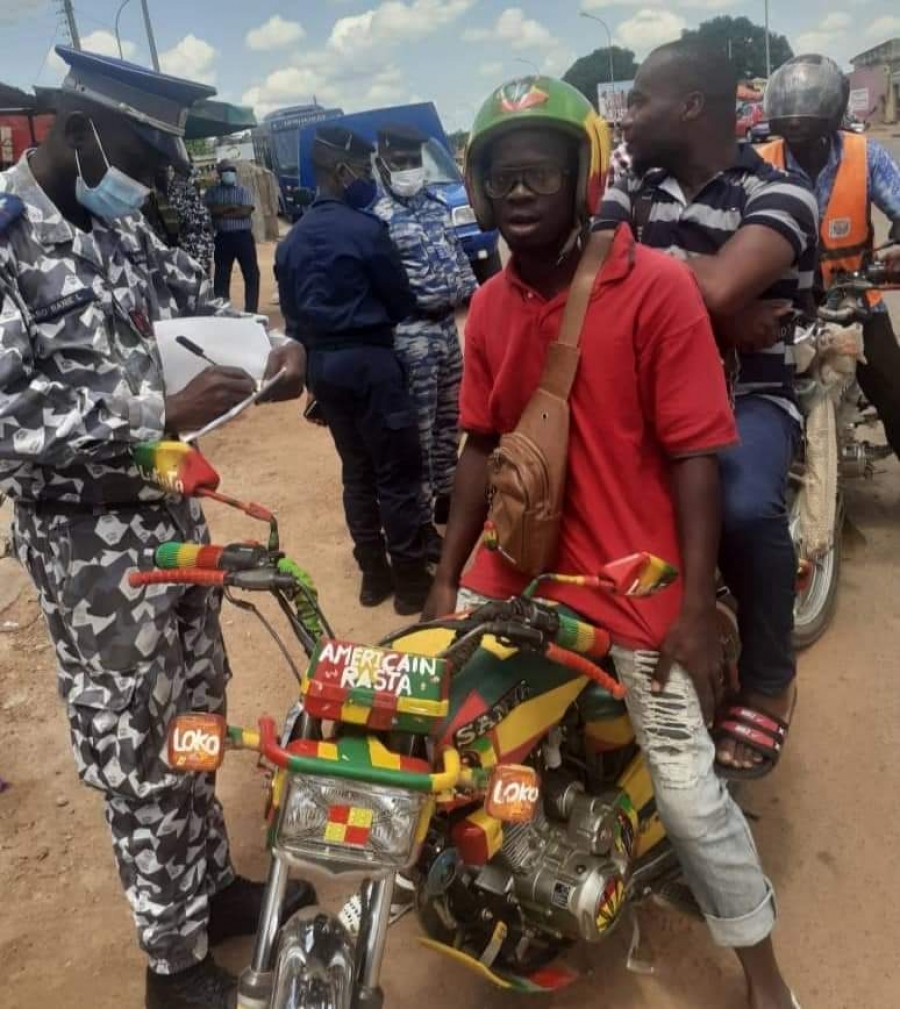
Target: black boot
(433, 543)
(377, 583)
(235, 910)
(205, 986)
(442, 510)
(412, 583)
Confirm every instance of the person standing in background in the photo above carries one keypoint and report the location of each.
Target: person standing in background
(231, 207)
(195, 236)
(343, 288)
(427, 341)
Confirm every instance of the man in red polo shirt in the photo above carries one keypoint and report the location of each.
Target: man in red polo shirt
(649, 413)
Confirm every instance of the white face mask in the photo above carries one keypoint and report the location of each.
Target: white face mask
(409, 182)
(115, 195)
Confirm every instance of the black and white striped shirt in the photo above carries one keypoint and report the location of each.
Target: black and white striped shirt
(751, 192)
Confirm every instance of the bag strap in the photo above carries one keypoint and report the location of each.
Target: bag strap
(563, 355)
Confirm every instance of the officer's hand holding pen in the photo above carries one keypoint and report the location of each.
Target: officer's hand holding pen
(207, 396)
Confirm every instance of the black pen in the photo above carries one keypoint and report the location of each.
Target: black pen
(192, 348)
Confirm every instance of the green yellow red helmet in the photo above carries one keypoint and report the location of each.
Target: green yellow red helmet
(552, 104)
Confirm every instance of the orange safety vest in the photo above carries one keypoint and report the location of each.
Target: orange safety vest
(845, 233)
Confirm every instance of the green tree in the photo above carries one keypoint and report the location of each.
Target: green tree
(744, 42)
(200, 148)
(589, 71)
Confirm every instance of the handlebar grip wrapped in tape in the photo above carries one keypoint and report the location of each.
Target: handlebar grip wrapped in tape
(178, 576)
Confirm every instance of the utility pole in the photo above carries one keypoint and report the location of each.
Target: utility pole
(768, 53)
(69, 12)
(600, 21)
(151, 41)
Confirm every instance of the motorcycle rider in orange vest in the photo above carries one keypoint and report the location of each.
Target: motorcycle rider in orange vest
(805, 102)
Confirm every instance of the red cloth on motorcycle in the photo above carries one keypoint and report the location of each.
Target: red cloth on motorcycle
(650, 388)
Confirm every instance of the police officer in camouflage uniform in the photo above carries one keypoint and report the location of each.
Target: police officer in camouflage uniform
(441, 280)
(82, 279)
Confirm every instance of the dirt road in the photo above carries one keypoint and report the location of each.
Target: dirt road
(827, 822)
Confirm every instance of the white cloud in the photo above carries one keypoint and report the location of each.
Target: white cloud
(648, 28)
(276, 33)
(393, 23)
(491, 69)
(709, 5)
(299, 85)
(353, 68)
(886, 26)
(192, 58)
(827, 36)
(512, 28)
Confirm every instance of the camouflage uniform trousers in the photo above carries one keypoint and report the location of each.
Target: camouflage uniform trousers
(431, 354)
(129, 661)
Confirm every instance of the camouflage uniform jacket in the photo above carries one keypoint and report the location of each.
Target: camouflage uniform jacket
(421, 228)
(80, 374)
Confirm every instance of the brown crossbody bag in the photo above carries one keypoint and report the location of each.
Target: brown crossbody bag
(527, 470)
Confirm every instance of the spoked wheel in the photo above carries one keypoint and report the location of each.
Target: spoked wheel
(817, 597)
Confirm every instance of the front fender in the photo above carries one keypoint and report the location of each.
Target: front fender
(315, 965)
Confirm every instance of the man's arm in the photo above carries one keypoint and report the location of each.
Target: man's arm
(467, 516)
(884, 180)
(693, 640)
(780, 224)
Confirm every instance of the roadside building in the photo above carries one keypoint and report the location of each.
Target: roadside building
(875, 83)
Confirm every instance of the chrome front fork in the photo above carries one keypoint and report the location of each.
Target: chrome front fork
(255, 985)
(376, 900)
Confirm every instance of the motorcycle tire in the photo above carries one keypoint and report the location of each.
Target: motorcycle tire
(814, 608)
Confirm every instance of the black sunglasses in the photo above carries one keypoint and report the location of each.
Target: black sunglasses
(542, 180)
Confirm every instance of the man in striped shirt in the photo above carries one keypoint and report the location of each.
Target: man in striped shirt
(748, 232)
(231, 207)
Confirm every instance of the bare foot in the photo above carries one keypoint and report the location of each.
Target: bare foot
(731, 753)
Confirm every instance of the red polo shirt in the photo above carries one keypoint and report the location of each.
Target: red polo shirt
(649, 389)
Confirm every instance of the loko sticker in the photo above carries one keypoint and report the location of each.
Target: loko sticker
(513, 794)
(197, 742)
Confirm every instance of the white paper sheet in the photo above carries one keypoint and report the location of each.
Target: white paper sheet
(232, 343)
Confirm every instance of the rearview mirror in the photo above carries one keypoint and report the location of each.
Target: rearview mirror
(175, 467)
(639, 575)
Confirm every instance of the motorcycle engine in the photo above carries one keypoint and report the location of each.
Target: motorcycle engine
(568, 867)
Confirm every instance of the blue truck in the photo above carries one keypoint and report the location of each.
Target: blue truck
(289, 135)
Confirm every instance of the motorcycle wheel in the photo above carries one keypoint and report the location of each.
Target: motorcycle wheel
(814, 607)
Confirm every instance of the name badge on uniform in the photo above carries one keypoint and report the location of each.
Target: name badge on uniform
(62, 306)
(839, 227)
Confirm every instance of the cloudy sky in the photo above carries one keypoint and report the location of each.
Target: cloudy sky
(361, 53)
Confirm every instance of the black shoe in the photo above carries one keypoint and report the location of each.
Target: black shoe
(433, 543)
(377, 585)
(442, 510)
(235, 910)
(206, 986)
(412, 584)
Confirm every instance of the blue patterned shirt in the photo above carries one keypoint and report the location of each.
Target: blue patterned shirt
(230, 196)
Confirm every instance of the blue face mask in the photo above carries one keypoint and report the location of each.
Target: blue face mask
(115, 195)
(229, 178)
(361, 193)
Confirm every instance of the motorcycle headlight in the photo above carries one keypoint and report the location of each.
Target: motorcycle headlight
(350, 826)
(463, 216)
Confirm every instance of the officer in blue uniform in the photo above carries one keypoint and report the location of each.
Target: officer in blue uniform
(82, 280)
(344, 290)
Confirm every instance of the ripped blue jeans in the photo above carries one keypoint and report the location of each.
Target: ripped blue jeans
(704, 824)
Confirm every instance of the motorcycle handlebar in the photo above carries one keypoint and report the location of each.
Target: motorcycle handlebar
(255, 580)
(178, 576)
(446, 780)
